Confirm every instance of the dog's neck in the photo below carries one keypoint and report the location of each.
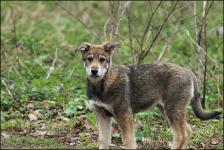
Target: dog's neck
(97, 87)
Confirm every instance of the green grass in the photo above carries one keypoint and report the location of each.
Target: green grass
(13, 124)
(19, 141)
(44, 27)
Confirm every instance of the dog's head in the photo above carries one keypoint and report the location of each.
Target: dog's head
(97, 59)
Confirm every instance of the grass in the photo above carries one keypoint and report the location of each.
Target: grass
(44, 28)
(26, 142)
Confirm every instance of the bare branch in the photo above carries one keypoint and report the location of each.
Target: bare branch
(8, 90)
(200, 47)
(204, 24)
(145, 53)
(133, 52)
(111, 26)
(14, 27)
(149, 23)
(53, 64)
(80, 21)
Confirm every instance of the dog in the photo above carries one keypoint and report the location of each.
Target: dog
(119, 91)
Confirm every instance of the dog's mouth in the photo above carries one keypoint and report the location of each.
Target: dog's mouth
(94, 76)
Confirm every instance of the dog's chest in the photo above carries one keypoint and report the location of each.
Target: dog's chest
(93, 103)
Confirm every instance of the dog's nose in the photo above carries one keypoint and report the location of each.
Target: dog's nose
(94, 71)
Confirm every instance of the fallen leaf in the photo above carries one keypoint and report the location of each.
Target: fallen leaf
(38, 114)
(5, 135)
(64, 118)
(72, 143)
(214, 141)
(32, 117)
(39, 133)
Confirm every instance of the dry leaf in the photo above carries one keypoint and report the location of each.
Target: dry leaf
(32, 117)
(214, 141)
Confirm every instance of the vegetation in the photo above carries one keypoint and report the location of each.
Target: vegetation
(43, 80)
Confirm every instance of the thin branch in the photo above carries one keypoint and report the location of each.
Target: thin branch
(70, 74)
(149, 23)
(143, 55)
(133, 52)
(168, 45)
(11, 64)
(8, 90)
(200, 47)
(205, 13)
(165, 47)
(80, 21)
(195, 18)
(111, 26)
(14, 28)
(53, 64)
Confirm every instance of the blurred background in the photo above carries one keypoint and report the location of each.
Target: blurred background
(43, 80)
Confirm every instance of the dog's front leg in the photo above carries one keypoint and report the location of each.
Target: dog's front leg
(104, 126)
(127, 128)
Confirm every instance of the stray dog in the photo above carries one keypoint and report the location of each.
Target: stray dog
(120, 91)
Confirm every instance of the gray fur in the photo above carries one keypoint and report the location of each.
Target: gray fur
(124, 90)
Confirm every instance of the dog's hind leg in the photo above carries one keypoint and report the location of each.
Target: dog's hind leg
(104, 126)
(186, 133)
(181, 130)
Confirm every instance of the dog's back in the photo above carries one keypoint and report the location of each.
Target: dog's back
(150, 83)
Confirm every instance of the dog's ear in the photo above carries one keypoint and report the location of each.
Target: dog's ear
(110, 47)
(83, 48)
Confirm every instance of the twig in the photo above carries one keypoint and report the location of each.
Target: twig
(111, 26)
(205, 44)
(80, 21)
(8, 90)
(70, 74)
(14, 27)
(133, 52)
(11, 64)
(149, 23)
(53, 63)
(162, 52)
(144, 54)
(200, 47)
(195, 18)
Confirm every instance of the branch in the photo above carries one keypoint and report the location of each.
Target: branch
(200, 47)
(53, 64)
(204, 24)
(8, 90)
(80, 21)
(148, 25)
(133, 52)
(14, 28)
(111, 26)
(145, 53)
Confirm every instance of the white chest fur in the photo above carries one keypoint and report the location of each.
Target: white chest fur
(93, 103)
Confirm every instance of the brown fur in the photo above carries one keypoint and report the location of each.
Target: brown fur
(124, 90)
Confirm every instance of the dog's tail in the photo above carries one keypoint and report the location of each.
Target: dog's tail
(197, 107)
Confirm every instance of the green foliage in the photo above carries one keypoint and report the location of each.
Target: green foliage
(92, 119)
(13, 124)
(43, 27)
(31, 142)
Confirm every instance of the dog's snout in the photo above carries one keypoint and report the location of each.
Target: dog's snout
(94, 71)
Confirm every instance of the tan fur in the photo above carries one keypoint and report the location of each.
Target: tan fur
(120, 91)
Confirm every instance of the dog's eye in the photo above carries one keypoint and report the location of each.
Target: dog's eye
(89, 58)
(102, 59)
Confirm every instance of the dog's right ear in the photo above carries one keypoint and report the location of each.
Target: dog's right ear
(84, 47)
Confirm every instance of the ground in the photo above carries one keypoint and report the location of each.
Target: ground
(43, 98)
(152, 132)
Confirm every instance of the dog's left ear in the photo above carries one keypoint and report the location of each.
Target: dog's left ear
(84, 47)
(110, 47)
